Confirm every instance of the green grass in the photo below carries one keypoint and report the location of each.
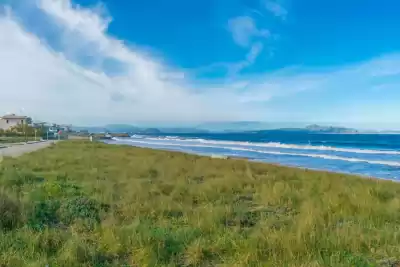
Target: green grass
(90, 204)
(17, 139)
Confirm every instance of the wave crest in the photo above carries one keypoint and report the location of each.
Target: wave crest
(210, 145)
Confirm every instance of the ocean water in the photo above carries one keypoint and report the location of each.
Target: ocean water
(373, 155)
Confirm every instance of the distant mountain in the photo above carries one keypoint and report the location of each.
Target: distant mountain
(230, 126)
(121, 128)
(113, 128)
(126, 128)
(147, 131)
(244, 126)
(89, 129)
(183, 130)
(311, 129)
(330, 129)
(217, 127)
(169, 131)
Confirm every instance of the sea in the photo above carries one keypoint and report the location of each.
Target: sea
(370, 155)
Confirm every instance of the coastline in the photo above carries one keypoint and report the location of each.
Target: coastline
(362, 155)
(222, 157)
(125, 199)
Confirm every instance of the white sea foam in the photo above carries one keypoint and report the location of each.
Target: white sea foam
(137, 136)
(277, 145)
(322, 156)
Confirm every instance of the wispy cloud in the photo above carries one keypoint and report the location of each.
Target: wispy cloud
(55, 85)
(252, 55)
(244, 30)
(52, 83)
(245, 33)
(276, 8)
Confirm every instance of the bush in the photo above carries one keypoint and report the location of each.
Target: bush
(44, 214)
(82, 209)
(10, 213)
(15, 178)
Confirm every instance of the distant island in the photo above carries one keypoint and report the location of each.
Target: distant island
(130, 129)
(125, 128)
(330, 129)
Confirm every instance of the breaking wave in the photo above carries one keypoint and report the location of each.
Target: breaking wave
(273, 145)
(217, 144)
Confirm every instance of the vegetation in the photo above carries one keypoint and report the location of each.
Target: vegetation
(17, 139)
(90, 204)
(19, 133)
(100, 136)
(120, 135)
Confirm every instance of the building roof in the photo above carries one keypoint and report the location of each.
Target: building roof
(13, 116)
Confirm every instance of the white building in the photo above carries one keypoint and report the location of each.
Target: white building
(11, 120)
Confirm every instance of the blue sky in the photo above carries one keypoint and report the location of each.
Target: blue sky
(182, 62)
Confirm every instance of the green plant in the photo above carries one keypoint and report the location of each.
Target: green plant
(172, 209)
(10, 213)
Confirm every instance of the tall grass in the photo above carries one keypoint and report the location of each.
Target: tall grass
(17, 139)
(91, 204)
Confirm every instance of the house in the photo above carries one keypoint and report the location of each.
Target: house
(65, 128)
(38, 125)
(11, 120)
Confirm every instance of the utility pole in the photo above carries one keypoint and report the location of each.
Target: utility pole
(24, 127)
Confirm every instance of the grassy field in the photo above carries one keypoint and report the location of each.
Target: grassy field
(90, 204)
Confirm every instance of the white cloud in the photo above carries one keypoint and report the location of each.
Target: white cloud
(52, 84)
(244, 30)
(245, 33)
(275, 8)
(251, 56)
(89, 22)
(51, 87)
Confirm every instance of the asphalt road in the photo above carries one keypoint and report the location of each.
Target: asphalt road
(18, 150)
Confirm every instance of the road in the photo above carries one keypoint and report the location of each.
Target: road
(18, 150)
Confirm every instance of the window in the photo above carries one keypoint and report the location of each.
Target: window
(22, 121)
(7, 121)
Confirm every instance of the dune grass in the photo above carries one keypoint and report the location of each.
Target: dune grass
(16, 139)
(91, 204)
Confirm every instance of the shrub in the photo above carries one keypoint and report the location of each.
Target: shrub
(44, 214)
(82, 209)
(10, 213)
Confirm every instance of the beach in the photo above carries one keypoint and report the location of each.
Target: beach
(364, 155)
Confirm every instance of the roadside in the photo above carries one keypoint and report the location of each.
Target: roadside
(16, 150)
(3, 145)
(17, 139)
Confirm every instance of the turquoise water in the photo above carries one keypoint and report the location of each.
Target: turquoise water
(371, 155)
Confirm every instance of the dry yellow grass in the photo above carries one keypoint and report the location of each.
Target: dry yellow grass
(92, 204)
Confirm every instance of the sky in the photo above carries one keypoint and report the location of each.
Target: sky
(180, 62)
